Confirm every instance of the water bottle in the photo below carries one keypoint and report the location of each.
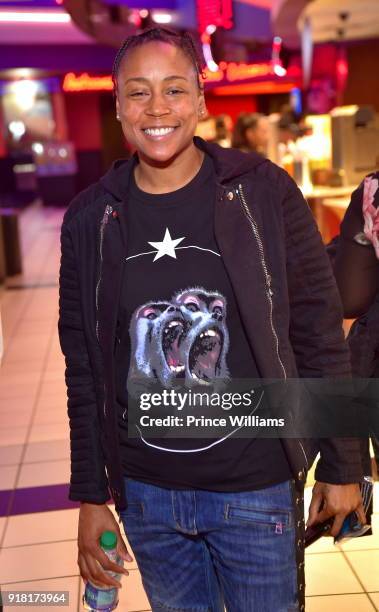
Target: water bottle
(105, 599)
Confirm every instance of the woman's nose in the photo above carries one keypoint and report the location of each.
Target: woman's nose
(157, 106)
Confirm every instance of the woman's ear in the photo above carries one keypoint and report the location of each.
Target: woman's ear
(203, 111)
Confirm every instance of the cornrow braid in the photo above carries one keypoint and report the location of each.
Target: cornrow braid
(183, 41)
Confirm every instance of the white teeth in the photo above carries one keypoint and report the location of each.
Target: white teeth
(173, 324)
(158, 131)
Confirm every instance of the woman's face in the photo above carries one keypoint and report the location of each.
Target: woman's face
(158, 100)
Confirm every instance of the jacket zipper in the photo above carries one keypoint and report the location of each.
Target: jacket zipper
(269, 292)
(104, 221)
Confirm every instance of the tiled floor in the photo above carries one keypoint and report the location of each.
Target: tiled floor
(38, 549)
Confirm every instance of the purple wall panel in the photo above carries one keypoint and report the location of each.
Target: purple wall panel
(144, 4)
(58, 58)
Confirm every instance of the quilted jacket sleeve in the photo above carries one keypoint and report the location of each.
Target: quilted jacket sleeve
(316, 332)
(88, 478)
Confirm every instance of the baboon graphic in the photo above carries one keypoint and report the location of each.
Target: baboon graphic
(185, 338)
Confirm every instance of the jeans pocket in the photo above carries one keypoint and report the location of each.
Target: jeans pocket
(278, 520)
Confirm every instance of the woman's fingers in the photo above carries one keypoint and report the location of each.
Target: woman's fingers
(92, 571)
(107, 564)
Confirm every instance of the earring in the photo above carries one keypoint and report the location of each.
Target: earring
(118, 117)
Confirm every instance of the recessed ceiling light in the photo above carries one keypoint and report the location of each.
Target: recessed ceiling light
(162, 17)
(34, 17)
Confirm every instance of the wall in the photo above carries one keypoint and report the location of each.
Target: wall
(363, 80)
(232, 105)
(3, 128)
(83, 120)
(84, 130)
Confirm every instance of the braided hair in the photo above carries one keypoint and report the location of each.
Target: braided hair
(183, 41)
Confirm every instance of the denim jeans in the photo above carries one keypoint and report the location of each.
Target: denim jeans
(199, 551)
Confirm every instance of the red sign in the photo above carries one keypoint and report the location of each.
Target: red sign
(227, 72)
(85, 82)
(218, 13)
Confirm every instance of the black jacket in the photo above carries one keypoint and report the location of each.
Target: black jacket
(283, 284)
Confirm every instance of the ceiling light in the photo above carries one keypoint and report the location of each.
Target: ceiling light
(162, 18)
(25, 92)
(17, 129)
(34, 17)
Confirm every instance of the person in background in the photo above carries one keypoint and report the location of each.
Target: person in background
(251, 133)
(356, 268)
(188, 264)
(223, 127)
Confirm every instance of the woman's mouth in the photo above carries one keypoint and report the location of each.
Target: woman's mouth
(158, 133)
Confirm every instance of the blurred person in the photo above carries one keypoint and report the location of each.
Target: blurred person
(251, 133)
(224, 127)
(206, 128)
(356, 268)
(191, 262)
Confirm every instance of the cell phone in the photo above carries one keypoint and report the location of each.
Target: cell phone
(351, 528)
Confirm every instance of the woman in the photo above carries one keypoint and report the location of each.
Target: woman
(251, 133)
(187, 264)
(357, 273)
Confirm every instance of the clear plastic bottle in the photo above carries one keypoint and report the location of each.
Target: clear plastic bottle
(105, 599)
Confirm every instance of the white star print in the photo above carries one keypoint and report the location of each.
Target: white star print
(166, 246)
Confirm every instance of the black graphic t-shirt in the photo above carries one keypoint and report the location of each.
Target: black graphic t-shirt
(178, 319)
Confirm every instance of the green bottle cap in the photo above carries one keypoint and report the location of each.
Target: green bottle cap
(108, 540)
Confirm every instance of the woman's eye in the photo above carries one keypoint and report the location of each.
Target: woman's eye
(137, 94)
(175, 91)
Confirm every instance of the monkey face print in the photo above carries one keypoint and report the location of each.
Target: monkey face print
(181, 340)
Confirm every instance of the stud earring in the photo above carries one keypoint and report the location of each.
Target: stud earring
(118, 117)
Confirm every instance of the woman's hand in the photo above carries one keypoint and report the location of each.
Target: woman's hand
(93, 520)
(335, 500)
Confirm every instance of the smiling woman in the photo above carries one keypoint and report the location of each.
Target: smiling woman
(159, 105)
(193, 266)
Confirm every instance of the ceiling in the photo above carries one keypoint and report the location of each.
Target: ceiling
(252, 20)
(288, 16)
(325, 15)
(91, 20)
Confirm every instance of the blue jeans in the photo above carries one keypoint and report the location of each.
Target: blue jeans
(199, 551)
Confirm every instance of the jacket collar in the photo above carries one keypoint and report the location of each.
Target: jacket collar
(230, 165)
